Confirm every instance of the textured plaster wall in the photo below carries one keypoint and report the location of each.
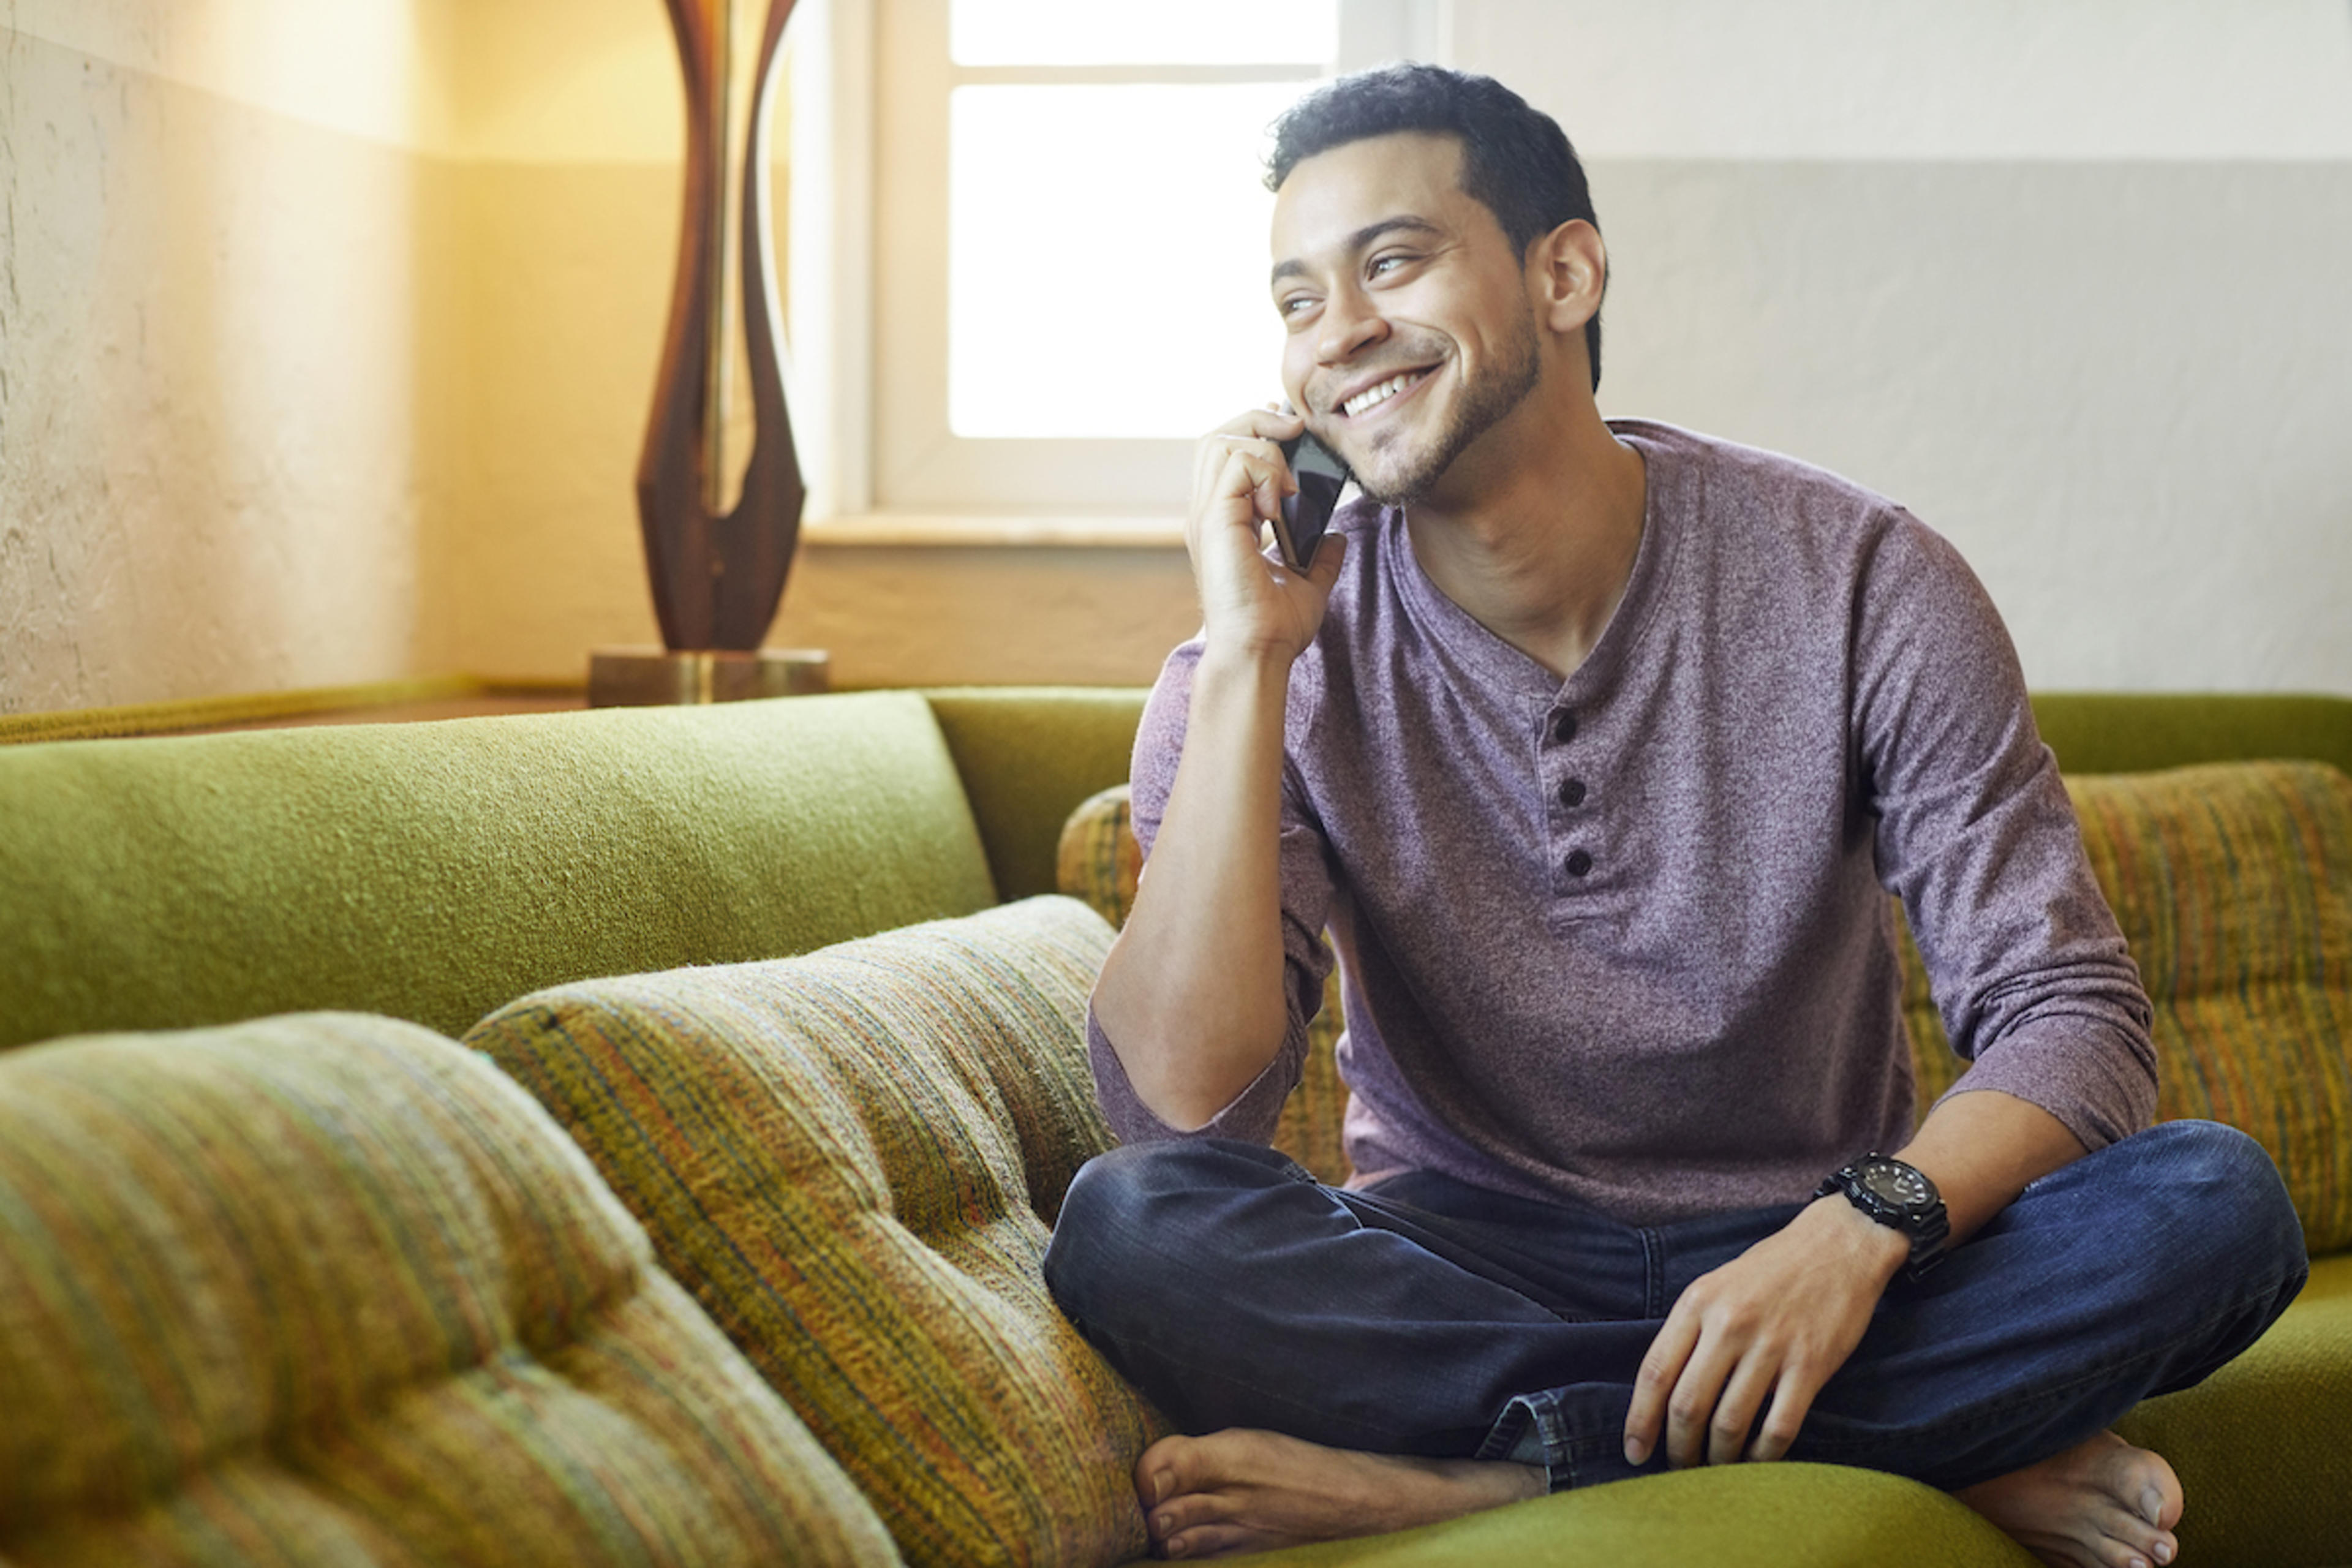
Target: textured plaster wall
(212, 448)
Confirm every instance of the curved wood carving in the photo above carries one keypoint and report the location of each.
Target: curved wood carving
(719, 577)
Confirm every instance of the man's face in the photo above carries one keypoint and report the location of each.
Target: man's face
(1411, 331)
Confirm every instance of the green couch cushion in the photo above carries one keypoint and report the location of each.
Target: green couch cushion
(852, 1158)
(2232, 882)
(2265, 1445)
(432, 871)
(329, 1289)
(1753, 1516)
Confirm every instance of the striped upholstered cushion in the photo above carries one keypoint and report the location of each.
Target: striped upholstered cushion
(2232, 882)
(852, 1158)
(1100, 864)
(325, 1289)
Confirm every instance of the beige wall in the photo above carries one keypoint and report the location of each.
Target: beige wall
(2068, 280)
(1962, 282)
(212, 427)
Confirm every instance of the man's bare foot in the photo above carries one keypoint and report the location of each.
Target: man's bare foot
(1241, 1490)
(2103, 1504)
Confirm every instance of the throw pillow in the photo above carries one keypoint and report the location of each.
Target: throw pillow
(325, 1289)
(852, 1158)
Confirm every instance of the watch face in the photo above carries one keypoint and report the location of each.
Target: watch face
(1897, 1184)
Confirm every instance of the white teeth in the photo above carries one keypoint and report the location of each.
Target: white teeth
(1372, 396)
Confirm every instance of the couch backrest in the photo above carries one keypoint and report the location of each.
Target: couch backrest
(1028, 756)
(434, 872)
(2134, 732)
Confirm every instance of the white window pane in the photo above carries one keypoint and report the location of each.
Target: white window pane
(1108, 259)
(1128, 32)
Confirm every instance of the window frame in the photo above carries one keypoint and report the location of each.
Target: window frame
(869, 84)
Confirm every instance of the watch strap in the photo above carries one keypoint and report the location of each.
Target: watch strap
(1928, 1226)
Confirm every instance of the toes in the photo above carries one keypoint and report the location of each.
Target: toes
(1187, 1511)
(1163, 1472)
(2127, 1540)
(1213, 1540)
(2143, 1481)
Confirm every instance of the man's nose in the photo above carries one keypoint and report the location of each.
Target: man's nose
(1350, 324)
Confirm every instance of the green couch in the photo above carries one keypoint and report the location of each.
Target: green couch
(703, 1252)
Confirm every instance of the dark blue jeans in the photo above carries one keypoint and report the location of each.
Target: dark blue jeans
(1423, 1316)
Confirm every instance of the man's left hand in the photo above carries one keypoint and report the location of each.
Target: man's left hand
(1773, 1324)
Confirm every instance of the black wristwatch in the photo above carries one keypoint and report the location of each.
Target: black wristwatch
(1901, 1197)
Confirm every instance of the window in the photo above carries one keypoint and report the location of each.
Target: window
(1068, 258)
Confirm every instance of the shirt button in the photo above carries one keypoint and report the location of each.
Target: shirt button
(1579, 863)
(1563, 727)
(1572, 794)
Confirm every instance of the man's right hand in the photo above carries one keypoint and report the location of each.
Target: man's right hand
(1251, 604)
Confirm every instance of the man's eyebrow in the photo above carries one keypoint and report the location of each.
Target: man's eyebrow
(1359, 240)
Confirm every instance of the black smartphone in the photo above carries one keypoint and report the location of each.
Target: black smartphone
(1321, 477)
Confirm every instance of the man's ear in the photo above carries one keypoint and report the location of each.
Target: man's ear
(1567, 270)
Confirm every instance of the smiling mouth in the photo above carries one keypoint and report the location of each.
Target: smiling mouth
(1372, 397)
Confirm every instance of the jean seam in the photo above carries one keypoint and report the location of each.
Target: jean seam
(1542, 1412)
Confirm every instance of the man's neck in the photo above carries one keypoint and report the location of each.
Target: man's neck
(1537, 543)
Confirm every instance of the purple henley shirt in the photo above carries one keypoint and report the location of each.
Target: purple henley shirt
(1622, 940)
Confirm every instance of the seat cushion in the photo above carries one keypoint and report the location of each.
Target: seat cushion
(852, 1158)
(2265, 1445)
(434, 871)
(329, 1289)
(2233, 883)
(1756, 1516)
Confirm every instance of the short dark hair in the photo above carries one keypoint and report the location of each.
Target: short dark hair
(1515, 160)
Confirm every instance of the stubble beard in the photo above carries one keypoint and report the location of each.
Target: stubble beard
(1486, 403)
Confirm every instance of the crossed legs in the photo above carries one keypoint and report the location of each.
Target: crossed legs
(1346, 1361)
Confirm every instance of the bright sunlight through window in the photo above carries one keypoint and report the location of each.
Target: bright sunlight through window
(1107, 254)
(1107, 240)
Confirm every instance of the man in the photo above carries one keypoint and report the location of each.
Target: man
(1595, 745)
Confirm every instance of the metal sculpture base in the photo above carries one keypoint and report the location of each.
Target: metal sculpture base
(649, 677)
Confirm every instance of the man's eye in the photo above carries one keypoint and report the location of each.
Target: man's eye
(1382, 264)
(1294, 305)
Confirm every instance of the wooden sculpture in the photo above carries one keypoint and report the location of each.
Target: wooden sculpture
(718, 576)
